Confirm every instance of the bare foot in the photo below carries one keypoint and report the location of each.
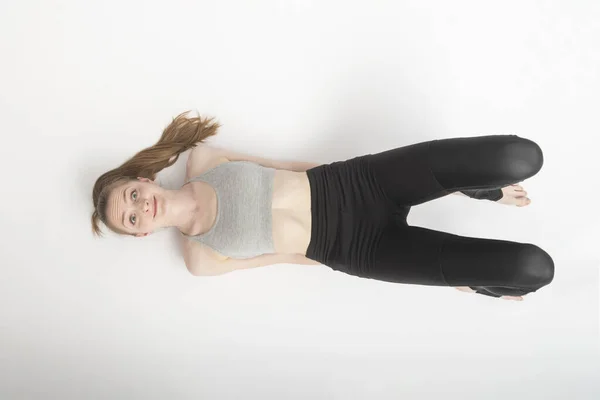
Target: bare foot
(514, 195)
(469, 290)
(465, 289)
(516, 298)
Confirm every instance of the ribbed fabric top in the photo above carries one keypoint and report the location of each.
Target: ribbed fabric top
(244, 222)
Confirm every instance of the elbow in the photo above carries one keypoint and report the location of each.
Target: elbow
(194, 267)
(203, 269)
(196, 272)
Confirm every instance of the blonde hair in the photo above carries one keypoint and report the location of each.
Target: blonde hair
(180, 135)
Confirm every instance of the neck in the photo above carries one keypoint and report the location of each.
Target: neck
(182, 208)
(191, 208)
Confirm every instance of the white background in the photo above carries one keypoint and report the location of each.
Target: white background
(84, 85)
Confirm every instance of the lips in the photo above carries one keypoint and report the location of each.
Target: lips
(154, 216)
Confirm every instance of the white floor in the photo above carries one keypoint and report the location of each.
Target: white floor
(85, 85)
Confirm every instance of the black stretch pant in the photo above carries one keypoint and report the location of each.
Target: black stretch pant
(359, 209)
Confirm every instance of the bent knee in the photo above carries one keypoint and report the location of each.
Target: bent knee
(523, 158)
(536, 267)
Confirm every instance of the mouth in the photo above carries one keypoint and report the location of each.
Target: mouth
(154, 216)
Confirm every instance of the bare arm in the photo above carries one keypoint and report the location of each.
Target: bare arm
(298, 166)
(220, 267)
(232, 264)
(201, 260)
(216, 152)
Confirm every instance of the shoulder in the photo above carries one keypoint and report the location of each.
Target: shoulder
(200, 259)
(202, 158)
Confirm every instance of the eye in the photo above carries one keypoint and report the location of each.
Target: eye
(132, 219)
(134, 195)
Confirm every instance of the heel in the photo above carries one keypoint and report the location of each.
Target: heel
(484, 194)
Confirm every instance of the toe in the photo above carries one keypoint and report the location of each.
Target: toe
(523, 201)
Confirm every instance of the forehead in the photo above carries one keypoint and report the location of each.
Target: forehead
(115, 195)
(116, 202)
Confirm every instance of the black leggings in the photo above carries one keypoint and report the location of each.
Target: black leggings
(359, 209)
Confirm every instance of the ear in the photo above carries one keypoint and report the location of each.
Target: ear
(145, 179)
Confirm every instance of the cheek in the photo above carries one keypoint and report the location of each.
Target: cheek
(146, 223)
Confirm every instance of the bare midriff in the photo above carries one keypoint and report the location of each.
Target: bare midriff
(291, 212)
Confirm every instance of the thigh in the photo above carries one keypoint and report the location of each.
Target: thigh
(421, 172)
(408, 254)
(416, 255)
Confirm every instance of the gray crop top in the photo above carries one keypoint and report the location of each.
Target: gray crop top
(243, 226)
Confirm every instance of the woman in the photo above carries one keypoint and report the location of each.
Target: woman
(237, 211)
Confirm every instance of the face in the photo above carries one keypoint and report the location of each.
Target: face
(136, 207)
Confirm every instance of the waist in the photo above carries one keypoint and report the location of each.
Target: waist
(349, 212)
(291, 207)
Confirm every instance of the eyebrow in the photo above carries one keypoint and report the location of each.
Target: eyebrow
(125, 200)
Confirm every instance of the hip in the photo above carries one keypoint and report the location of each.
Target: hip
(349, 212)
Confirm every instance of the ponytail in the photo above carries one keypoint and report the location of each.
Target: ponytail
(182, 134)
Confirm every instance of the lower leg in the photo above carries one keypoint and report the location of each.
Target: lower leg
(513, 195)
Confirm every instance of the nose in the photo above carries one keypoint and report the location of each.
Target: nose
(145, 206)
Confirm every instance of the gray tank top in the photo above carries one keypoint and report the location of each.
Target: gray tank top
(244, 222)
